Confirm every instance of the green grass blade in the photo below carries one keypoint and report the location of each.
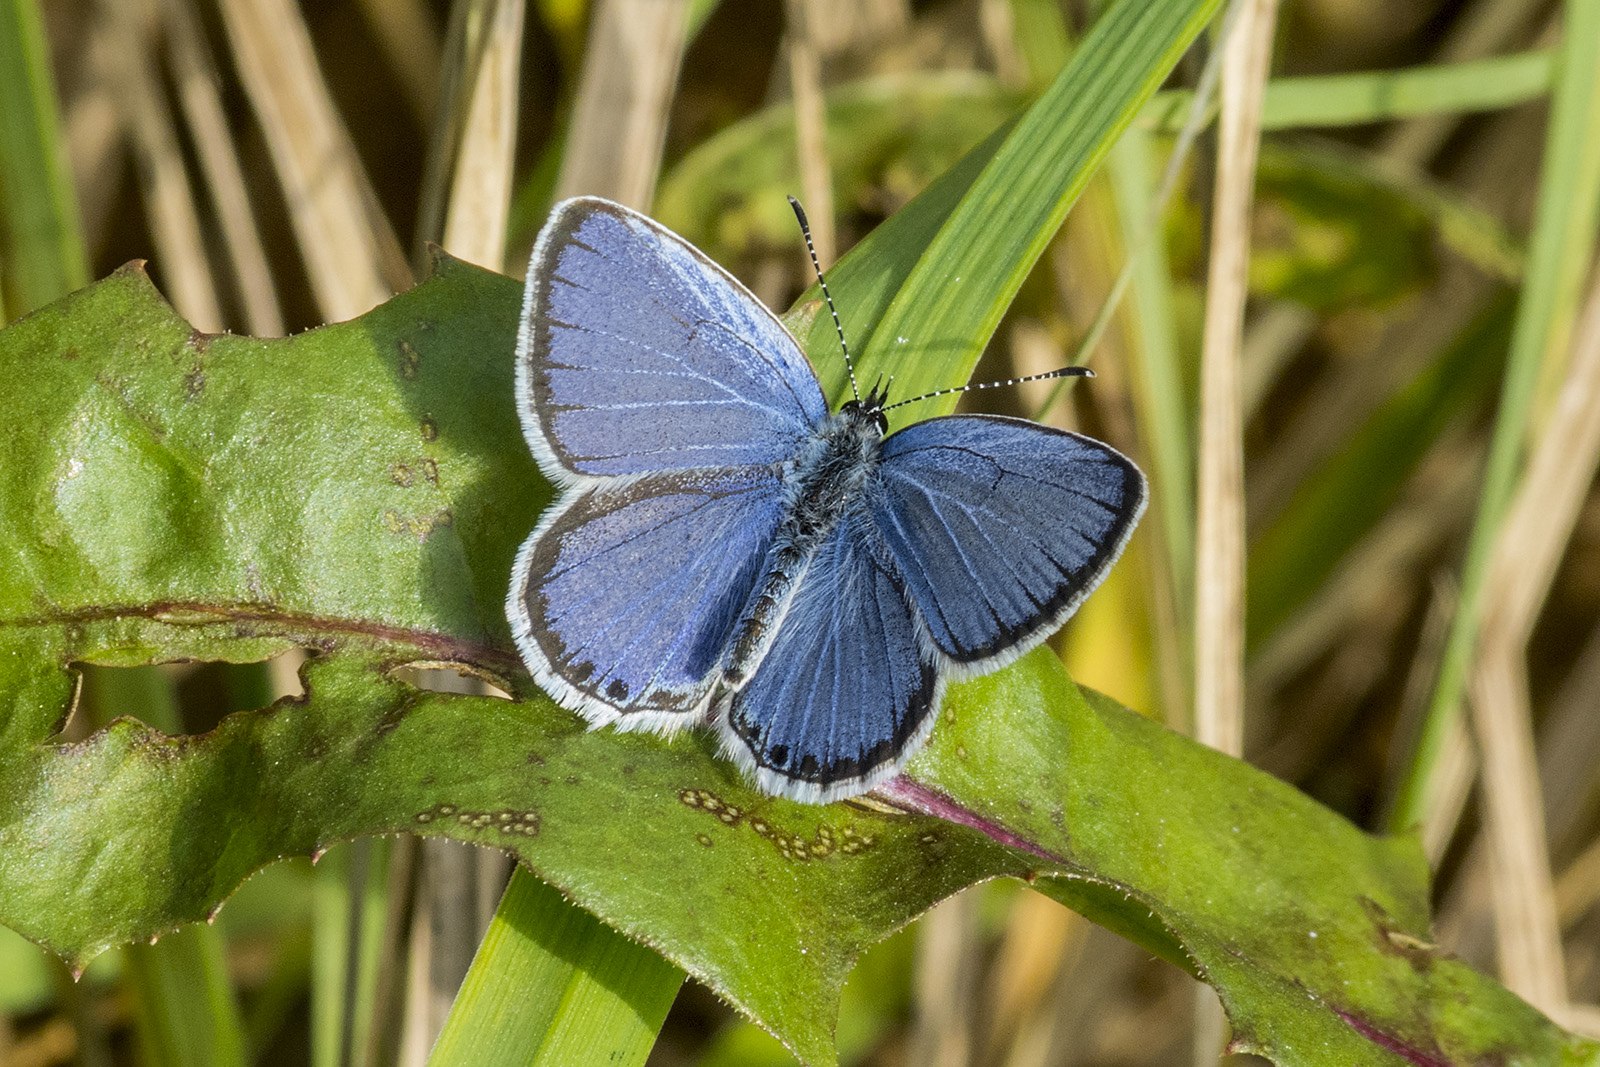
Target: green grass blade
(1558, 257)
(374, 859)
(1382, 96)
(1166, 413)
(41, 248)
(939, 321)
(331, 918)
(551, 985)
(186, 1012)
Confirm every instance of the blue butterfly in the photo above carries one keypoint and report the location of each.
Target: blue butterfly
(726, 549)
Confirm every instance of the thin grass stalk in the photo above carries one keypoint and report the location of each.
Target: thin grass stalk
(1219, 544)
(123, 48)
(1163, 419)
(1441, 91)
(630, 71)
(332, 918)
(199, 96)
(350, 254)
(41, 243)
(1563, 238)
(480, 194)
(1219, 507)
(1536, 531)
(810, 127)
(942, 1033)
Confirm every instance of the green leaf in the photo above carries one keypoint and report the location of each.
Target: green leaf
(359, 490)
(1315, 934)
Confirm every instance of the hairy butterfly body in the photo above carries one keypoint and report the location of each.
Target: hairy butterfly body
(726, 549)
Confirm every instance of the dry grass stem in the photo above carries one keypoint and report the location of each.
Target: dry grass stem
(350, 253)
(1039, 936)
(480, 191)
(410, 44)
(1219, 548)
(1527, 935)
(946, 984)
(811, 127)
(1578, 888)
(1219, 484)
(122, 51)
(1530, 544)
(619, 121)
(198, 95)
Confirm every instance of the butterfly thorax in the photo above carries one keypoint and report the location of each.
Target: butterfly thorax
(821, 484)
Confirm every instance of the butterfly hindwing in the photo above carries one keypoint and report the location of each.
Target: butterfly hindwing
(622, 600)
(637, 354)
(1000, 528)
(846, 690)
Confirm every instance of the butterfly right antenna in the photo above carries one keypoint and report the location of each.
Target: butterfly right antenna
(805, 229)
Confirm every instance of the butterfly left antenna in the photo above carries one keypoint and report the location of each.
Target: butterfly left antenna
(1064, 372)
(805, 230)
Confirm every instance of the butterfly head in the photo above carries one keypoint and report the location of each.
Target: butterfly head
(870, 407)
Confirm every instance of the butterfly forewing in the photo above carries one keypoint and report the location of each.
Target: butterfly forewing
(640, 355)
(1001, 527)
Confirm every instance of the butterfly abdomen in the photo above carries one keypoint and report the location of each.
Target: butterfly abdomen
(821, 485)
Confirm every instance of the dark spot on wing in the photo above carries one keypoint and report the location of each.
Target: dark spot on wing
(779, 755)
(582, 672)
(617, 690)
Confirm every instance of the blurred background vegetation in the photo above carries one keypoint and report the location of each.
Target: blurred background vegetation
(1423, 220)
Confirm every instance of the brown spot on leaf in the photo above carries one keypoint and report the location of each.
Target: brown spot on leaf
(420, 526)
(71, 353)
(401, 475)
(430, 429)
(430, 470)
(507, 821)
(194, 383)
(199, 340)
(826, 841)
(1393, 941)
(410, 359)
